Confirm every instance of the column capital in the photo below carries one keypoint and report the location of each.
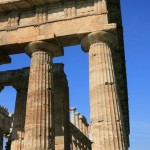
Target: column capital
(51, 48)
(107, 37)
(73, 109)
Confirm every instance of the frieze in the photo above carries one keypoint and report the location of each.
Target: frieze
(13, 21)
(100, 7)
(41, 15)
(70, 10)
(52, 13)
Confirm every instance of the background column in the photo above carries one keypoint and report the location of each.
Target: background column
(17, 142)
(5, 124)
(106, 115)
(73, 121)
(73, 115)
(81, 122)
(77, 119)
(61, 106)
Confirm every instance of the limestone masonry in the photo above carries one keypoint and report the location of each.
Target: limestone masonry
(41, 119)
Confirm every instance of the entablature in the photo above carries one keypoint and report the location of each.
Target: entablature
(21, 13)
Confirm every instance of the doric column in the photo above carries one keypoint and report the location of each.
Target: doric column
(77, 119)
(81, 122)
(78, 144)
(5, 124)
(87, 132)
(73, 115)
(61, 106)
(106, 116)
(73, 120)
(84, 125)
(39, 122)
(17, 138)
(1, 139)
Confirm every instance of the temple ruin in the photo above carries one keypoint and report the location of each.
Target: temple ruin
(41, 119)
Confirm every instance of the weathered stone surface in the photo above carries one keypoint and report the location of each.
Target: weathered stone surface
(17, 137)
(51, 32)
(83, 126)
(61, 108)
(5, 120)
(39, 13)
(79, 140)
(77, 119)
(73, 121)
(73, 115)
(11, 77)
(19, 80)
(47, 21)
(107, 125)
(5, 124)
(39, 123)
(50, 48)
(79, 131)
(60, 22)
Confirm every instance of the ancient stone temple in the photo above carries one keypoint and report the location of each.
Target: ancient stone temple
(5, 125)
(41, 119)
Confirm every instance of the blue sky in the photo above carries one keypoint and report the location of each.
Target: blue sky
(136, 23)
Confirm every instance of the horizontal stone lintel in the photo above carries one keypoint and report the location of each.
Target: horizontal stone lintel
(64, 33)
(11, 77)
(4, 58)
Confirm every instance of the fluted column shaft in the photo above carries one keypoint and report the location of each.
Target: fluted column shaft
(81, 123)
(77, 125)
(39, 128)
(77, 120)
(106, 117)
(19, 120)
(84, 128)
(39, 123)
(104, 101)
(73, 115)
(73, 122)
(87, 133)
